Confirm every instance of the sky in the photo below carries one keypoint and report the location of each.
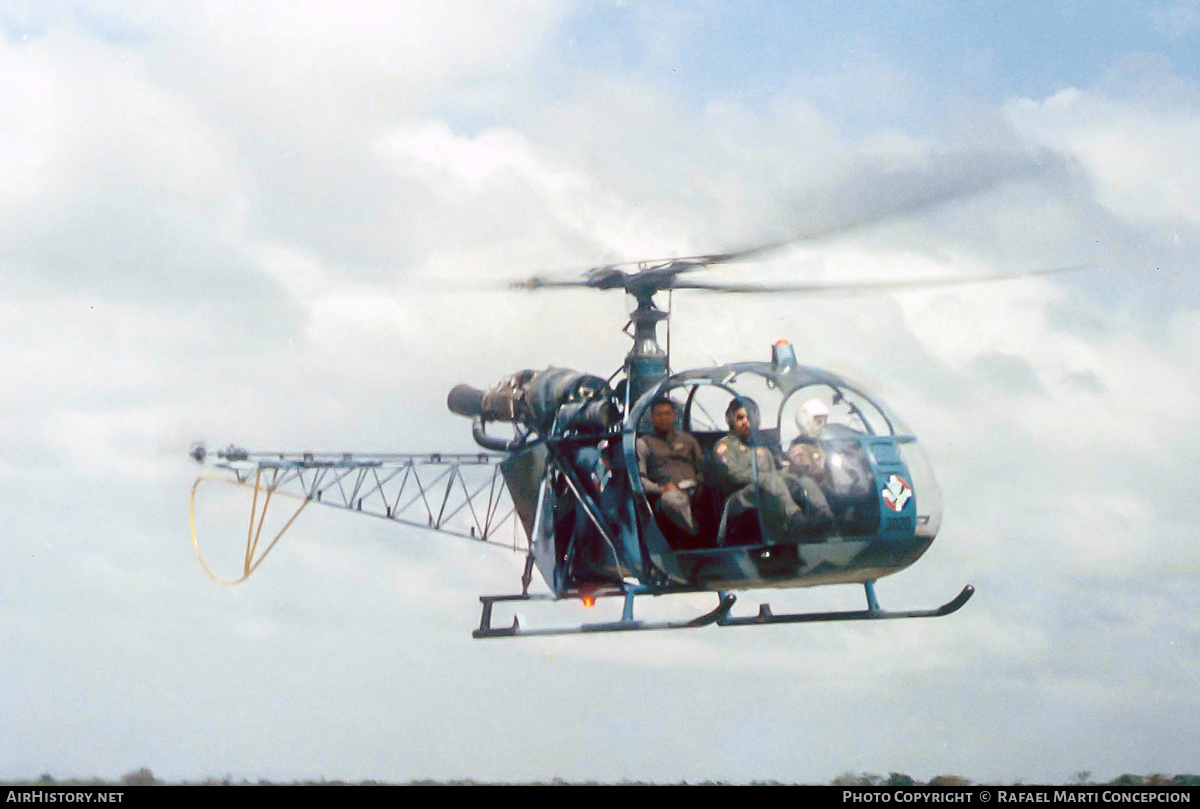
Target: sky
(274, 224)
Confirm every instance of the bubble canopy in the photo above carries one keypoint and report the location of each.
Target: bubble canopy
(798, 405)
(779, 393)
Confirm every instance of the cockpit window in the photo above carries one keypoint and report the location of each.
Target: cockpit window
(705, 405)
(705, 410)
(813, 406)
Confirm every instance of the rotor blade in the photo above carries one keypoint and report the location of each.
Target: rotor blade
(853, 287)
(611, 276)
(469, 285)
(875, 194)
(542, 282)
(880, 193)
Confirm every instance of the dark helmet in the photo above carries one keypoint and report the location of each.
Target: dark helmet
(739, 403)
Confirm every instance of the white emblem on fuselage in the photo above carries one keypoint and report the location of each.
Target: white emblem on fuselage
(896, 493)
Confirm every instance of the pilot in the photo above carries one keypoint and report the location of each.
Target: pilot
(806, 465)
(751, 477)
(669, 465)
(806, 458)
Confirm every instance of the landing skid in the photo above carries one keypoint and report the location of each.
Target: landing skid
(719, 616)
(873, 612)
(626, 624)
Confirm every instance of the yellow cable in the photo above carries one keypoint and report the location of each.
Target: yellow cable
(249, 563)
(250, 532)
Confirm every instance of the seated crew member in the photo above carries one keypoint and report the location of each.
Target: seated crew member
(669, 465)
(806, 464)
(750, 477)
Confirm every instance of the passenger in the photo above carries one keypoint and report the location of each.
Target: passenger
(750, 477)
(669, 465)
(806, 466)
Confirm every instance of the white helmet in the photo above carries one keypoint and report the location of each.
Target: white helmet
(807, 415)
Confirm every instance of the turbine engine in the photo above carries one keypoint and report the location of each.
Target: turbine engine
(556, 400)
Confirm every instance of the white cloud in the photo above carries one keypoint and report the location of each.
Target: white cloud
(1139, 154)
(85, 118)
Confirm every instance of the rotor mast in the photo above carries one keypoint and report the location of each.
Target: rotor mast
(646, 362)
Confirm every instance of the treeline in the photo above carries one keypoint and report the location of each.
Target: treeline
(145, 777)
(1083, 778)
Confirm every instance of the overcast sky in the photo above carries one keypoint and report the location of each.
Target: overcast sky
(223, 221)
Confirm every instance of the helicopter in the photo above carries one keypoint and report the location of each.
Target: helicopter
(568, 484)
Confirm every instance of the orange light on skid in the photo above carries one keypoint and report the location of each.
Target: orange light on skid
(589, 601)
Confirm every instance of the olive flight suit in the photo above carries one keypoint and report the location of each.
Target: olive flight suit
(676, 459)
(750, 478)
